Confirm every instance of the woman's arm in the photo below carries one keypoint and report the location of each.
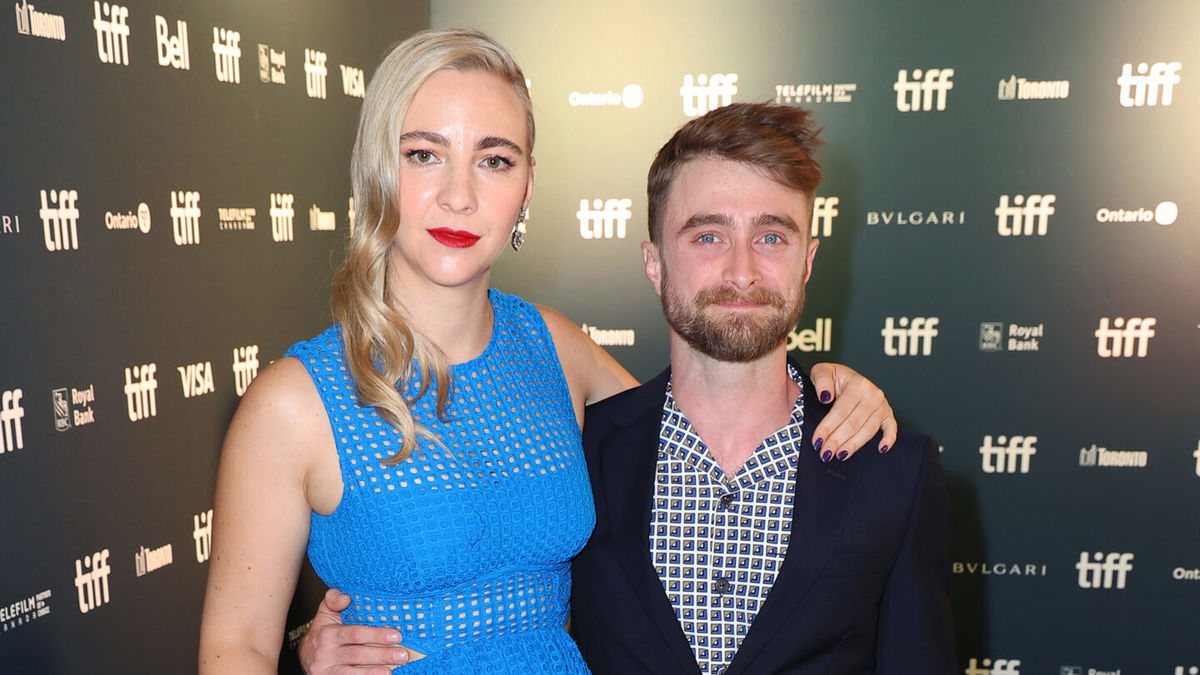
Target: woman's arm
(592, 373)
(268, 468)
(860, 410)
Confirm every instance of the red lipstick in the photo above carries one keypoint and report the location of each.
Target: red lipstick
(453, 238)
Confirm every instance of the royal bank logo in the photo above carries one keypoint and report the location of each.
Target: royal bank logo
(1019, 89)
(702, 93)
(12, 436)
(322, 221)
(25, 610)
(148, 560)
(354, 82)
(825, 209)
(1025, 215)
(245, 367)
(1008, 454)
(842, 92)
(39, 24)
(916, 217)
(909, 336)
(141, 391)
(202, 534)
(1164, 213)
(227, 55)
(10, 224)
(129, 220)
(1153, 85)
(993, 667)
(283, 216)
(232, 219)
(995, 336)
(1124, 337)
(926, 91)
(999, 569)
(610, 337)
(185, 217)
(315, 73)
(91, 580)
(604, 218)
(272, 65)
(1099, 456)
(196, 379)
(60, 219)
(73, 407)
(819, 338)
(1104, 570)
(631, 96)
(112, 33)
(172, 49)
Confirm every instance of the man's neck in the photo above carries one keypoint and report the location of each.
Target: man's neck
(732, 406)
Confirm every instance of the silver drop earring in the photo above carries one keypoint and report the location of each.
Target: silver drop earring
(518, 233)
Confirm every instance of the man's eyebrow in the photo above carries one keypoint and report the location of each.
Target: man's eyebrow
(498, 142)
(427, 136)
(702, 219)
(784, 221)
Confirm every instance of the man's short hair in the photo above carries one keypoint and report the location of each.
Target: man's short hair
(779, 140)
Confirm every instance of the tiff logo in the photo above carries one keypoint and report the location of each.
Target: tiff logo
(39, 24)
(918, 95)
(314, 73)
(703, 93)
(353, 81)
(988, 667)
(227, 55)
(1104, 571)
(141, 391)
(1153, 85)
(282, 216)
(92, 584)
(112, 33)
(1125, 338)
(1008, 455)
(245, 367)
(605, 219)
(60, 219)
(172, 49)
(196, 379)
(202, 533)
(902, 339)
(1026, 216)
(11, 413)
(825, 209)
(185, 217)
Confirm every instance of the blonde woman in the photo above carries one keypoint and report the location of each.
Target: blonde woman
(425, 450)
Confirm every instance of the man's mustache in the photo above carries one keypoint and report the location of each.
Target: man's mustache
(762, 296)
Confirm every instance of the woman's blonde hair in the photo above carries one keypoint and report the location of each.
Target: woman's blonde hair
(383, 352)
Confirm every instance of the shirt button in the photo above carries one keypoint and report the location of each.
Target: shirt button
(727, 498)
(719, 671)
(722, 586)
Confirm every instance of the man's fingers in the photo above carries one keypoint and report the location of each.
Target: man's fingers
(372, 655)
(334, 601)
(353, 636)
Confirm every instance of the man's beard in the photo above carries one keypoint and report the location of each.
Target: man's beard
(738, 337)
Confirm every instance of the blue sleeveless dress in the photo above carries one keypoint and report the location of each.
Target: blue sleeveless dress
(465, 548)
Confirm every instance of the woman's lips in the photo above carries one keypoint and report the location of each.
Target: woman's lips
(453, 238)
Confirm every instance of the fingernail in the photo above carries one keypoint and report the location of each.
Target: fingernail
(842, 456)
(393, 637)
(826, 455)
(825, 396)
(883, 449)
(818, 443)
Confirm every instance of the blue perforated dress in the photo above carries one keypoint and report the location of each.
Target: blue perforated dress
(465, 549)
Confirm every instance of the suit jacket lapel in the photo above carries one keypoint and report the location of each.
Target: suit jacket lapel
(627, 458)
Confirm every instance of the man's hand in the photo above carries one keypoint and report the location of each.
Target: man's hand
(330, 648)
(860, 410)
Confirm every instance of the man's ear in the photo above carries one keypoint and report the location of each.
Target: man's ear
(809, 257)
(652, 259)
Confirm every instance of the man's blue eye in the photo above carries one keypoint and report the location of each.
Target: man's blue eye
(707, 238)
(773, 239)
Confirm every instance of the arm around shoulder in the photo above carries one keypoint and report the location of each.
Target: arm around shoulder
(592, 373)
(261, 514)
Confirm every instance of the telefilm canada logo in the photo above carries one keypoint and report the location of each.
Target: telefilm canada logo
(24, 610)
(630, 96)
(997, 336)
(610, 337)
(604, 218)
(923, 90)
(73, 407)
(236, 218)
(703, 93)
(840, 92)
(1148, 84)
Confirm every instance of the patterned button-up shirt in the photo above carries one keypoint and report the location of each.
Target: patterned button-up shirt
(717, 542)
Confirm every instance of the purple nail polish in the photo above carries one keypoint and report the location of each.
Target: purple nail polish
(826, 455)
(842, 456)
(883, 449)
(825, 396)
(818, 443)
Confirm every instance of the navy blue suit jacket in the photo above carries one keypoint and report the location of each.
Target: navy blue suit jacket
(863, 589)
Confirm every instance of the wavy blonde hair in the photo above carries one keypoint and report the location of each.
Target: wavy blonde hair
(383, 352)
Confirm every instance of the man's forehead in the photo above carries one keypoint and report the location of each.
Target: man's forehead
(715, 189)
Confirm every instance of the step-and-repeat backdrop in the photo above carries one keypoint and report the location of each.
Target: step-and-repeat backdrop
(1009, 248)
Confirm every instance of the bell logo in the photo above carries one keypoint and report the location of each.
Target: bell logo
(703, 93)
(282, 216)
(1153, 85)
(902, 339)
(1026, 216)
(1104, 570)
(172, 49)
(353, 81)
(1126, 338)
(1008, 454)
(11, 412)
(245, 367)
(927, 90)
(314, 73)
(816, 339)
(988, 667)
(227, 55)
(112, 33)
(606, 219)
(92, 584)
(202, 534)
(141, 391)
(825, 209)
(60, 219)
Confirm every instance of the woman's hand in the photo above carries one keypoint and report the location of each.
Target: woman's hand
(859, 411)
